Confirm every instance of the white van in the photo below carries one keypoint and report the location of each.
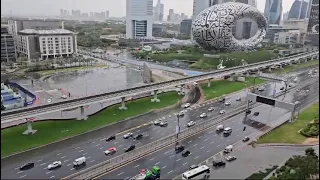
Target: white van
(228, 149)
(219, 128)
(79, 161)
(227, 130)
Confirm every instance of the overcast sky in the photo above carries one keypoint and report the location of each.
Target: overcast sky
(115, 7)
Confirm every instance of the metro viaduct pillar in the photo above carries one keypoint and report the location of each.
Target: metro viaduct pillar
(123, 104)
(82, 115)
(29, 130)
(155, 96)
(209, 82)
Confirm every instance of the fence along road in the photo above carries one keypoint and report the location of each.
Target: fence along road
(147, 149)
(76, 102)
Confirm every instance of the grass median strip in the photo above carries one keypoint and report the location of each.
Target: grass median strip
(13, 141)
(224, 87)
(288, 133)
(296, 66)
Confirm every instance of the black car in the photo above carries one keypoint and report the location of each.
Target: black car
(179, 149)
(282, 88)
(256, 113)
(185, 153)
(111, 138)
(130, 148)
(139, 136)
(248, 111)
(245, 139)
(193, 167)
(27, 166)
(218, 163)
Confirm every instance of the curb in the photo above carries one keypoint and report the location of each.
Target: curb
(286, 145)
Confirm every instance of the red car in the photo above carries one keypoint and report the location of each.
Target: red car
(110, 151)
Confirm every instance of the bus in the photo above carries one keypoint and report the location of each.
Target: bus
(201, 172)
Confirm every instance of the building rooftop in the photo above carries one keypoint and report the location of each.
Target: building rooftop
(46, 32)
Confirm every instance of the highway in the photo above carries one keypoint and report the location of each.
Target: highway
(208, 143)
(93, 149)
(12, 115)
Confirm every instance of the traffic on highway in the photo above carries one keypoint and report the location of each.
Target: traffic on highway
(72, 159)
(208, 143)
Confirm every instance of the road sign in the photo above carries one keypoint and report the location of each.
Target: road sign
(177, 129)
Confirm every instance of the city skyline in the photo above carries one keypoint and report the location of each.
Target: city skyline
(87, 6)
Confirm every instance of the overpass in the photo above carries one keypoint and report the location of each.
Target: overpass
(27, 112)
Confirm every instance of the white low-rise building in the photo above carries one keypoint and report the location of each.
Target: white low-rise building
(289, 37)
(44, 44)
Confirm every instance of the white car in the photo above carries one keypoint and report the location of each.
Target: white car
(228, 149)
(63, 96)
(211, 109)
(222, 112)
(54, 165)
(181, 113)
(228, 103)
(187, 105)
(238, 99)
(127, 135)
(191, 123)
(203, 115)
(110, 151)
(261, 89)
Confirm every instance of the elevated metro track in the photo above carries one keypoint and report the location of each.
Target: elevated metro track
(32, 111)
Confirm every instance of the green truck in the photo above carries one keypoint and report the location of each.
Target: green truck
(148, 174)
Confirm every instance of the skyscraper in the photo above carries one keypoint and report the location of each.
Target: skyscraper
(139, 15)
(298, 10)
(313, 24)
(273, 11)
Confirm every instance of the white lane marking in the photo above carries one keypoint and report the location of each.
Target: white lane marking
(237, 135)
(115, 142)
(52, 177)
(240, 128)
(93, 142)
(218, 145)
(81, 150)
(39, 160)
(59, 154)
(157, 163)
(101, 139)
(101, 148)
(120, 174)
(196, 157)
(202, 147)
(228, 140)
(120, 145)
(151, 159)
(77, 147)
(178, 160)
(98, 145)
(138, 130)
(154, 129)
(189, 142)
(63, 157)
(171, 156)
(208, 151)
(137, 166)
(43, 164)
(84, 154)
(200, 137)
(158, 131)
(127, 178)
(166, 152)
(169, 116)
(221, 137)
(206, 139)
(19, 172)
(170, 172)
(71, 169)
(163, 167)
(151, 137)
(185, 164)
(23, 176)
(69, 165)
(89, 157)
(48, 172)
(92, 161)
(195, 145)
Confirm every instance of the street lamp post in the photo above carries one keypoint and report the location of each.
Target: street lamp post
(178, 129)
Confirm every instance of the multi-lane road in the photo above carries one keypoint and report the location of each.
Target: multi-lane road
(208, 143)
(93, 149)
